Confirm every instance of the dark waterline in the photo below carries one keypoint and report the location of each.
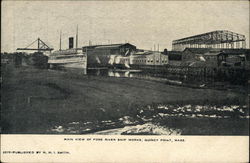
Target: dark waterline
(158, 76)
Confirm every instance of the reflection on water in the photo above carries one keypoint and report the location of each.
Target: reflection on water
(79, 71)
(156, 75)
(162, 76)
(123, 73)
(115, 72)
(143, 74)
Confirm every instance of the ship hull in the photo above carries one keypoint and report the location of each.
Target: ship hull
(68, 61)
(79, 64)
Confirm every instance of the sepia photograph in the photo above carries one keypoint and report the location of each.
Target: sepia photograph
(175, 68)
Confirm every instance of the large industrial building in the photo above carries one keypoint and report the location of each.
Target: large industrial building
(213, 49)
(149, 58)
(215, 39)
(213, 57)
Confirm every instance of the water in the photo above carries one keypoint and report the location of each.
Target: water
(164, 77)
(161, 120)
(157, 75)
(139, 74)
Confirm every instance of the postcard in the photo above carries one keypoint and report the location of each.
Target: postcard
(125, 81)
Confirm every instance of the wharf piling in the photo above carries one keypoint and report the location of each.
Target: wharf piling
(222, 74)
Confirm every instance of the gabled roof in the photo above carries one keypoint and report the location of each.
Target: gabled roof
(236, 51)
(174, 52)
(212, 53)
(219, 36)
(107, 46)
(198, 50)
(145, 53)
(217, 50)
(193, 63)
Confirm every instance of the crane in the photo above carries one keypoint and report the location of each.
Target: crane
(41, 46)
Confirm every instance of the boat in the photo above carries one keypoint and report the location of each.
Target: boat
(69, 58)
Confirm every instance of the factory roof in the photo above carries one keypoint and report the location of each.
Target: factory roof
(217, 50)
(107, 46)
(174, 52)
(219, 36)
(198, 50)
(236, 51)
(145, 53)
(213, 53)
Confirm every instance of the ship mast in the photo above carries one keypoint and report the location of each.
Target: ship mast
(76, 36)
(60, 40)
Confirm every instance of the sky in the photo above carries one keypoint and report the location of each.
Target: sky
(141, 23)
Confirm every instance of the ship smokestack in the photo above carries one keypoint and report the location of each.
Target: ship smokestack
(71, 42)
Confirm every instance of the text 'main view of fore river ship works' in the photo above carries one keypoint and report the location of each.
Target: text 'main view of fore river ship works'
(197, 86)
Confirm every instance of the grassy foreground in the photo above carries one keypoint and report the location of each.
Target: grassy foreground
(35, 100)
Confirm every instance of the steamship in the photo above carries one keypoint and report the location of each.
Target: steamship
(69, 58)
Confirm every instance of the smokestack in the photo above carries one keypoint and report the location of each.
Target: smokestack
(71, 42)
(165, 51)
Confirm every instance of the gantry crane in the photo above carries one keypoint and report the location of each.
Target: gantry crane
(41, 46)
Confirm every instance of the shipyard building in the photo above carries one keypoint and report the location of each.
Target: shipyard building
(216, 39)
(100, 55)
(210, 57)
(213, 49)
(149, 58)
(123, 56)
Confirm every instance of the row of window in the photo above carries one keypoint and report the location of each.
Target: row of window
(144, 61)
(66, 56)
